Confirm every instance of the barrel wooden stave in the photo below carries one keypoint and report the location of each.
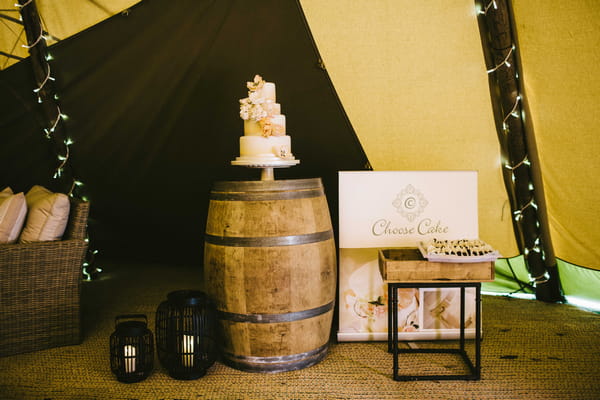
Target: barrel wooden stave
(267, 280)
(268, 218)
(277, 339)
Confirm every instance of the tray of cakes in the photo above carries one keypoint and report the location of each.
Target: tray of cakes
(458, 251)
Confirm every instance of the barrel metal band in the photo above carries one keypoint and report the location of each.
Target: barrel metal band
(278, 359)
(273, 318)
(262, 186)
(265, 196)
(268, 241)
(276, 364)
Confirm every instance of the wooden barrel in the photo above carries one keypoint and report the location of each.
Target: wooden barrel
(270, 266)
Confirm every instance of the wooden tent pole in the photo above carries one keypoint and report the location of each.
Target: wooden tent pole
(51, 115)
(521, 167)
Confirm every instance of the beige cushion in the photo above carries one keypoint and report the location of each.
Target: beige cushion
(13, 210)
(47, 217)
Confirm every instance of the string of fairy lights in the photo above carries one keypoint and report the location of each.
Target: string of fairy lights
(517, 112)
(64, 157)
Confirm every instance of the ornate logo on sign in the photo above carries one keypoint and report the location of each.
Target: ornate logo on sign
(410, 203)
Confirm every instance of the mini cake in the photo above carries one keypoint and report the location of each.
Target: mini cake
(265, 140)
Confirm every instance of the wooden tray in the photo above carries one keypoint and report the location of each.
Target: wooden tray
(408, 265)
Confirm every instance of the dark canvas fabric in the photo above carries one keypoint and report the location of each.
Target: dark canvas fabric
(152, 99)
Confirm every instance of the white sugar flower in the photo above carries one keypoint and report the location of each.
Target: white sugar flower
(257, 112)
(251, 106)
(256, 97)
(256, 84)
(249, 110)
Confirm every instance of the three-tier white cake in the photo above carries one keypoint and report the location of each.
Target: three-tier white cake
(265, 142)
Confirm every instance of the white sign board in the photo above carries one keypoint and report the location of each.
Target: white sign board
(386, 209)
(401, 208)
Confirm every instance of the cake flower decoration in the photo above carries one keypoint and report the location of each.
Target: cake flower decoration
(252, 111)
(267, 126)
(256, 107)
(251, 106)
(257, 84)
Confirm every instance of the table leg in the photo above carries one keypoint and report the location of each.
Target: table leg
(389, 289)
(462, 318)
(395, 329)
(478, 331)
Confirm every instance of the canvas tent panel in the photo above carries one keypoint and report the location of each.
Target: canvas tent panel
(60, 19)
(558, 45)
(579, 284)
(69, 17)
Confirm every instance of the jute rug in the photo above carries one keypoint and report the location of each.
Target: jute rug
(531, 350)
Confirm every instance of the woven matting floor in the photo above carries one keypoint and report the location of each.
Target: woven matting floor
(531, 350)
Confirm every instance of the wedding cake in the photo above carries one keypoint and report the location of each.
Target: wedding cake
(265, 141)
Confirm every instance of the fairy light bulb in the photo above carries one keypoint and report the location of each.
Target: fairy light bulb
(487, 7)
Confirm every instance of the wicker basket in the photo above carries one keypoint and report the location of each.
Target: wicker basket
(40, 287)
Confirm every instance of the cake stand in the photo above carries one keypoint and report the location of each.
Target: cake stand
(267, 166)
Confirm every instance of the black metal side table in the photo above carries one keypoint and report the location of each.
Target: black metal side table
(474, 368)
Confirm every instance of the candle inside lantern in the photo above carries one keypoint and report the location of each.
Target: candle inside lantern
(129, 352)
(188, 350)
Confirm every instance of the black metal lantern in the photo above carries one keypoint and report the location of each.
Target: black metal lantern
(131, 348)
(185, 334)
